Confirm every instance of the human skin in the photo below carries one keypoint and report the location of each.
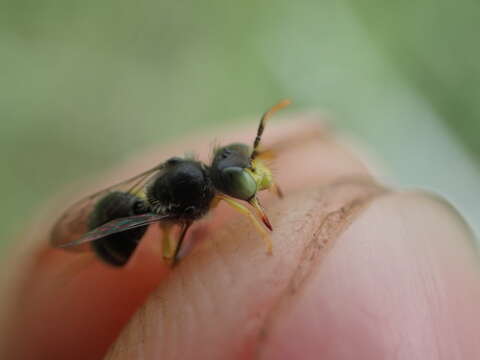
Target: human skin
(358, 271)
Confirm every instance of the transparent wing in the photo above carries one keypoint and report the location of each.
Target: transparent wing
(73, 223)
(115, 226)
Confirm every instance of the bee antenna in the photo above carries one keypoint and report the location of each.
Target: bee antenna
(283, 103)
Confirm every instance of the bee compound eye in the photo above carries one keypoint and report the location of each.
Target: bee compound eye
(238, 183)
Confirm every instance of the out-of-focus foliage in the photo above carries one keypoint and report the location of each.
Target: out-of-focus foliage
(434, 44)
(85, 84)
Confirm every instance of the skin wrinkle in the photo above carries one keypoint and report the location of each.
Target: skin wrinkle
(331, 227)
(323, 239)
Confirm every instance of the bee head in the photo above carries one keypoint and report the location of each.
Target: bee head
(235, 174)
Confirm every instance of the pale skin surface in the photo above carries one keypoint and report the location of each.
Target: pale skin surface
(357, 272)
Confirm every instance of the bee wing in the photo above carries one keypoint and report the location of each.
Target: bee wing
(115, 226)
(73, 224)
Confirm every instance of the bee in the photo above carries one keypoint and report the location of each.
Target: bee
(175, 193)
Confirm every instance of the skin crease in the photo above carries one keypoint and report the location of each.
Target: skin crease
(357, 272)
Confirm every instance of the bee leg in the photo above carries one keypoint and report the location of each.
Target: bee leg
(245, 211)
(166, 241)
(261, 212)
(178, 246)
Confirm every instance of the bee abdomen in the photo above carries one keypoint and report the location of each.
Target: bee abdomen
(116, 249)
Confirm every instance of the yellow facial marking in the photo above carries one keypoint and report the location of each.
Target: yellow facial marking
(261, 174)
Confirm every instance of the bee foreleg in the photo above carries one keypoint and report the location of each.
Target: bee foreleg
(179, 243)
(166, 240)
(170, 247)
(246, 212)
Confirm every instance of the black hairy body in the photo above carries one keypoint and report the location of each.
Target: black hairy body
(183, 190)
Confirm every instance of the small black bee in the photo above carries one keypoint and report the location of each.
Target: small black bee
(179, 191)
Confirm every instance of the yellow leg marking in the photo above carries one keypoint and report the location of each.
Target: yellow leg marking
(167, 248)
(260, 212)
(245, 211)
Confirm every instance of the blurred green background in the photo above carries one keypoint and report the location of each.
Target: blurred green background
(85, 84)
